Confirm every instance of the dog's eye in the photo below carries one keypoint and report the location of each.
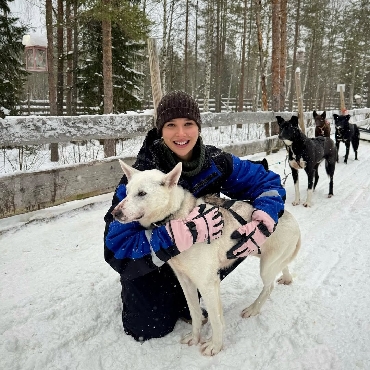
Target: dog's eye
(141, 193)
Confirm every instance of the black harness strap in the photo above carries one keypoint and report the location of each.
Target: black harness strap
(229, 203)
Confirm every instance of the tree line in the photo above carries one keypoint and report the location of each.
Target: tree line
(243, 49)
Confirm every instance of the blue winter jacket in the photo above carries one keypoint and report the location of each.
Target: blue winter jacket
(126, 246)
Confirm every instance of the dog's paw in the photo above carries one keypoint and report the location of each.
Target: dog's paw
(284, 280)
(190, 339)
(295, 203)
(209, 348)
(306, 204)
(252, 310)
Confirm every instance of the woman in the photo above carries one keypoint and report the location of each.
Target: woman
(151, 295)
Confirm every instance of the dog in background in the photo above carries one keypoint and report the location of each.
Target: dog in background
(307, 153)
(347, 133)
(154, 197)
(322, 125)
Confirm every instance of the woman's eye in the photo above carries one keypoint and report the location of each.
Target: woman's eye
(141, 193)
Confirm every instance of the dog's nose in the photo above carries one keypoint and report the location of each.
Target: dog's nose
(117, 213)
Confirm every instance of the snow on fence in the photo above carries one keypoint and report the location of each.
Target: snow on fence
(23, 192)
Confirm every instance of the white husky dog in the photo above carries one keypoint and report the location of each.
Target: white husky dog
(153, 196)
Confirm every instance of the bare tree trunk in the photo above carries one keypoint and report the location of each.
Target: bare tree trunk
(186, 47)
(69, 58)
(218, 57)
(75, 57)
(155, 75)
(169, 54)
(264, 105)
(283, 54)
(109, 145)
(310, 78)
(54, 153)
(50, 58)
(275, 64)
(299, 100)
(295, 47)
(261, 58)
(223, 47)
(352, 86)
(196, 54)
(242, 67)
(60, 62)
(209, 34)
(249, 64)
(164, 48)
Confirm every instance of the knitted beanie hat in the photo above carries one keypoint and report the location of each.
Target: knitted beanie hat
(177, 104)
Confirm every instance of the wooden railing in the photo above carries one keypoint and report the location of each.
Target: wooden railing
(28, 191)
(41, 107)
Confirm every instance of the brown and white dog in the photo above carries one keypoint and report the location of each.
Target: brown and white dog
(153, 196)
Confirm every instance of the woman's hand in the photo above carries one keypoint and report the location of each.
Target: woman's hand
(252, 235)
(199, 226)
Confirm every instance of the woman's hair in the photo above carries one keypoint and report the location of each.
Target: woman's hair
(177, 104)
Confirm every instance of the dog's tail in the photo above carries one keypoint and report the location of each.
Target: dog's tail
(356, 138)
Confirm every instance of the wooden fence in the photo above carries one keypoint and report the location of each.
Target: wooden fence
(41, 107)
(22, 192)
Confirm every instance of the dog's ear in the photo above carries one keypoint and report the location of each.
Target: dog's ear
(314, 114)
(172, 178)
(323, 115)
(294, 120)
(348, 116)
(280, 120)
(335, 116)
(127, 170)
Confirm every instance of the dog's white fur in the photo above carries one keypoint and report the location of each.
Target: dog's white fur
(153, 196)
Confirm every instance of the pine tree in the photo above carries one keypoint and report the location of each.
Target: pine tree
(12, 73)
(128, 50)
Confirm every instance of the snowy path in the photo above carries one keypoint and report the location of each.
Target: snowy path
(60, 302)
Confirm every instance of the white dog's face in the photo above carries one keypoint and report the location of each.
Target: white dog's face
(148, 197)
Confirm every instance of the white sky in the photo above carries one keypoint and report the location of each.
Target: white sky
(60, 302)
(30, 14)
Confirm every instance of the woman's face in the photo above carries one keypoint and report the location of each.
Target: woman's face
(181, 135)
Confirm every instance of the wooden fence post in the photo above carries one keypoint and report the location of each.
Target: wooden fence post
(342, 105)
(299, 99)
(155, 75)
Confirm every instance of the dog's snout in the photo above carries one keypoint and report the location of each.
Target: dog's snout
(116, 213)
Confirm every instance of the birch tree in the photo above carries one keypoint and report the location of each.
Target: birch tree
(208, 54)
(261, 52)
(242, 67)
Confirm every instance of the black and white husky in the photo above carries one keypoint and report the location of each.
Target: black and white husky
(153, 196)
(307, 153)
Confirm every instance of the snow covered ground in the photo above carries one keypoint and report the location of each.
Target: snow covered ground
(60, 302)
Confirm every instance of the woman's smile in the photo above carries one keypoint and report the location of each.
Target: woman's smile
(181, 135)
